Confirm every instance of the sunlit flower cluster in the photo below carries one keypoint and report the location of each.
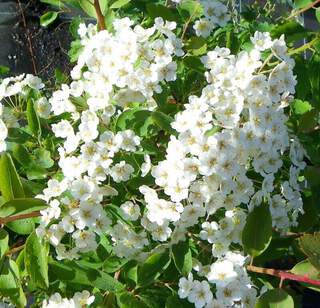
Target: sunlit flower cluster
(10, 88)
(79, 300)
(216, 14)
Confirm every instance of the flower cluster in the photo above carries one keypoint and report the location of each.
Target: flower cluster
(79, 300)
(10, 88)
(112, 70)
(215, 14)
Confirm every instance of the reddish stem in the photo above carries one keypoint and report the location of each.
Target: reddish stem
(283, 275)
(5, 220)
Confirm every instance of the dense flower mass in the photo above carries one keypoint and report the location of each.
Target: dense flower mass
(225, 152)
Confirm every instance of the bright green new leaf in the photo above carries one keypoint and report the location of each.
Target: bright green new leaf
(305, 268)
(22, 226)
(152, 268)
(4, 70)
(318, 14)
(21, 206)
(276, 298)
(257, 232)
(4, 241)
(43, 158)
(36, 261)
(310, 245)
(48, 18)
(119, 4)
(182, 257)
(301, 107)
(33, 120)
(10, 184)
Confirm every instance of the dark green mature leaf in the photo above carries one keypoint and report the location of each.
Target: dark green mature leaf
(312, 174)
(33, 120)
(128, 300)
(71, 273)
(21, 206)
(292, 30)
(276, 298)
(10, 283)
(48, 18)
(310, 245)
(163, 121)
(197, 46)
(36, 261)
(305, 268)
(257, 232)
(182, 257)
(176, 302)
(21, 154)
(10, 184)
(152, 268)
(17, 135)
(119, 4)
(158, 10)
(4, 241)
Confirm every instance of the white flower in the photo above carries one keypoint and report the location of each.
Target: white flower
(261, 40)
(221, 273)
(185, 286)
(121, 172)
(203, 27)
(200, 294)
(130, 210)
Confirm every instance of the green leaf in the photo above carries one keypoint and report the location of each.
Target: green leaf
(318, 14)
(71, 273)
(4, 242)
(190, 9)
(88, 8)
(176, 302)
(10, 184)
(257, 232)
(301, 3)
(4, 70)
(182, 257)
(17, 135)
(113, 263)
(21, 154)
(22, 226)
(33, 120)
(305, 268)
(128, 300)
(158, 10)
(48, 18)
(75, 50)
(310, 245)
(312, 175)
(300, 107)
(10, 285)
(152, 268)
(21, 206)
(43, 158)
(197, 46)
(163, 121)
(276, 298)
(36, 261)
(119, 4)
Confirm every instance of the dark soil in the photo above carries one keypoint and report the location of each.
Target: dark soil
(49, 45)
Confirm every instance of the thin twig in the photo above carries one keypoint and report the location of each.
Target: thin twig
(306, 8)
(101, 22)
(5, 220)
(283, 275)
(14, 250)
(35, 71)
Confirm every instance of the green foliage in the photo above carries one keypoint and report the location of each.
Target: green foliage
(310, 245)
(275, 298)
(182, 257)
(21, 206)
(48, 18)
(36, 261)
(257, 232)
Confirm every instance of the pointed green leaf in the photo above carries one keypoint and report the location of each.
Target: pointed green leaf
(33, 119)
(36, 261)
(182, 257)
(305, 268)
(276, 298)
(22, 206)
(10, 184)
(48, 18)
(4, 240)
(257, 232)
(310, 245)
